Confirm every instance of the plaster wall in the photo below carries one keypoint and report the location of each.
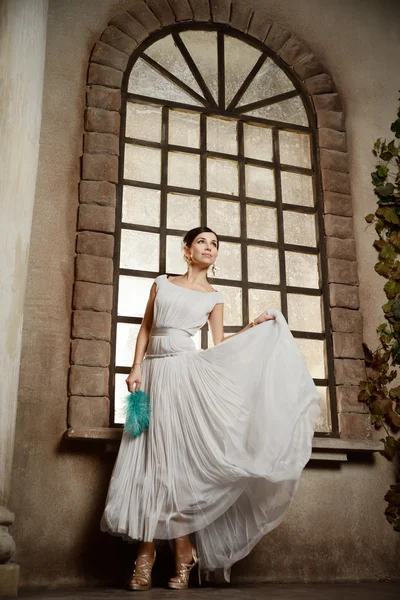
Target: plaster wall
(335, 529)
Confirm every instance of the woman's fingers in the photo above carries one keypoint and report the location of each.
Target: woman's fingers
(130, 383)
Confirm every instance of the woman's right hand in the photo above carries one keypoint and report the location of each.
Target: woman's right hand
(134, 379)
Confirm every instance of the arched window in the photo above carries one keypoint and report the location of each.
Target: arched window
(216, 131)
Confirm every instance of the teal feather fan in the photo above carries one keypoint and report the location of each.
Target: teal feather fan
(137, 412)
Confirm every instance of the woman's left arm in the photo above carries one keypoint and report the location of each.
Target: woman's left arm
(216, 321)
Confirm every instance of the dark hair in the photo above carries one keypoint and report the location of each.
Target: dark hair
(193, 233)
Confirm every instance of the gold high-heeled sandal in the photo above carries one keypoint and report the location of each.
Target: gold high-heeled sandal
(183, 573)
(142, 573)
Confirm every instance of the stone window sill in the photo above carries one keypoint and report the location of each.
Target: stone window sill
(331, 449)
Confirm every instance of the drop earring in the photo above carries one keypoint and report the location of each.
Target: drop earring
(214, 269)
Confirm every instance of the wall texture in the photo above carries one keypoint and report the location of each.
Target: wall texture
(336, 528)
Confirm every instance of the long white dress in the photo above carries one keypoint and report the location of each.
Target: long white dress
(230, 432)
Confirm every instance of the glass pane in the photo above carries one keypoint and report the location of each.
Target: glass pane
(143, 122)
(184, 170)
(221, 136)
(263, 264)
(175, 262)
(302, 270)
(261, 223)
(258, 142)
(146, 81)
(202, 46)
(210, 340)
(287, 111)
(133, 293)
(294, 149)
(269, 81)
(126, 343)
(167, 54)
(183, 212)
(142, 164)
(139, 250)
(140, 206)
(299, 228)
(297, 189)
(324, 420)
(313, 352)
(224, 216)
(229, 261)
(184, 128)
(197, 340)
(261, 300)
(232, 304)
(240, 58)
(304, 312)
(121, 391)
(222, 176)
(260, 183)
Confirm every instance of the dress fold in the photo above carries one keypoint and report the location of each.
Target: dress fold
(230, 432)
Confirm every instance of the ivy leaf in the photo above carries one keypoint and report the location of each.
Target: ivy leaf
(395, 418)
(368, 354)
(377, 179)
(396, 309)
(395, 392)
(396, 354)
(379, 244)
(395, 274)
(390, 446)
(379, 227)
(391, 288)
(363, 396)
(393, 495)
(385, 191)
(393, 148)
(388, 213)
(369, 218)
(376, 420)
(382, 171)
(388, 252)
(395, 126)
(383, 269)
(395, 240)
(385, 336)
(387, 308)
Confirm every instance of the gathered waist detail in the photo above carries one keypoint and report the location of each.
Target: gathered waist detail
(170, 331)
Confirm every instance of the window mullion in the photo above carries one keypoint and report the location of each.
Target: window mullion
(221, 70)
(203, 197)
(243, 222)
(164, 187)
(279, 216)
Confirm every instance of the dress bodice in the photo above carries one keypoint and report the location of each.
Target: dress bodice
(179, 308)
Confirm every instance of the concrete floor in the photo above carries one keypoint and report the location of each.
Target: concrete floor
(317, 591)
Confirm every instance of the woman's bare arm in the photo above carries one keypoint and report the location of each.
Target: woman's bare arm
(216, 321)
(143, 337)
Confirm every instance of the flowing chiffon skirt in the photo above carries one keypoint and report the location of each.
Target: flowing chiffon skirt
(230, 432)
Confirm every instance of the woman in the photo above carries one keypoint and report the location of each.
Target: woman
(230, 430)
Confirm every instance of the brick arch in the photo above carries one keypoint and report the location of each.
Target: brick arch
(89, 406)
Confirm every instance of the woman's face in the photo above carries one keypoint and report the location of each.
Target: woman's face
(204, 248)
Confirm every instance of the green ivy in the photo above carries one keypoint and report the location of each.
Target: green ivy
(384, 403)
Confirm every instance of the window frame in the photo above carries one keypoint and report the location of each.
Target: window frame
(205, 111)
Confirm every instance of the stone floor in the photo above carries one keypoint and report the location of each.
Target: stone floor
(317, 591)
